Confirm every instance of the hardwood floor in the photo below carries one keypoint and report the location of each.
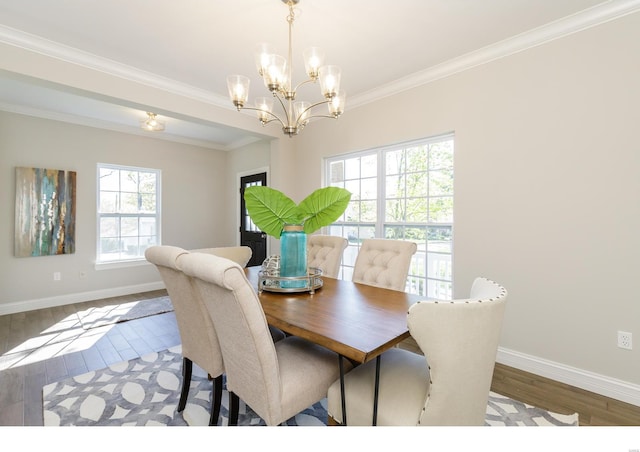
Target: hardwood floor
(48, 345)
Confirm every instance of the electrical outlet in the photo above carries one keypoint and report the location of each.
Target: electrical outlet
(57, 276)
(625, 340)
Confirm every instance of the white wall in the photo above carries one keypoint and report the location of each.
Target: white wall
(547, 186)
(194, 192)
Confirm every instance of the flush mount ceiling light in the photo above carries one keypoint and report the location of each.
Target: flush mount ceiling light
(152, 124)
(276, 72)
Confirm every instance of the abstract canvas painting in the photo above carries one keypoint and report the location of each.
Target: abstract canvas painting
(45, 212)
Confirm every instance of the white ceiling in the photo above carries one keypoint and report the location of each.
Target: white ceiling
(190, 46)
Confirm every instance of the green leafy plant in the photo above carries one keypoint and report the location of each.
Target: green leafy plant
(271, 210)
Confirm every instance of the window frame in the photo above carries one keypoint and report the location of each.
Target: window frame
(137, 259)
(421, 274)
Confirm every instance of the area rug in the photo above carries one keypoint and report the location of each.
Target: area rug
(145, 392)
(121, 312)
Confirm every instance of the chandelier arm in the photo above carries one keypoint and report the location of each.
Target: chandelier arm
(309, 80)
(275, 117)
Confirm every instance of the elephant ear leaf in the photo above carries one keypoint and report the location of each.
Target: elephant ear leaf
(323, 207)
(270, 209)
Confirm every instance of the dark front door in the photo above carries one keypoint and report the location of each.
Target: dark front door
(250, 235)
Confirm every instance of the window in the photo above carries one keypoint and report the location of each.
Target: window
(402, 192)
(128, 212)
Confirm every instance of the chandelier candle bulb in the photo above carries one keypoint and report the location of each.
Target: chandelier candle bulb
(238, 86)
(329, 80)
(314, 58)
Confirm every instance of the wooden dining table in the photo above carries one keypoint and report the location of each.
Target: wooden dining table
(357, 321)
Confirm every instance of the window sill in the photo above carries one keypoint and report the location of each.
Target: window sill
(121, 264)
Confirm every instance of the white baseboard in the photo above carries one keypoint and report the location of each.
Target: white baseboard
(589, 381)
(61, 300)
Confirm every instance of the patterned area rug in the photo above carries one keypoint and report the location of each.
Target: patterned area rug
(121, 312)
(145, 391)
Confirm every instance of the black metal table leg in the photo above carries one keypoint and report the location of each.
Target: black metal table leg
(342, 392)
(375, 392)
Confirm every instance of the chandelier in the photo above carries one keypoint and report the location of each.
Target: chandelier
(276, 72)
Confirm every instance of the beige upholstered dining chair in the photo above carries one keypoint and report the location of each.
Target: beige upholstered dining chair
(197, 333)
(384, 263)
(277, 380)
(198, 336)
(459, 339)
(325, 252)
(238, 254)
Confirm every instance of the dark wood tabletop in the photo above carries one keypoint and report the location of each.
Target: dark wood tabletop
(357, 321)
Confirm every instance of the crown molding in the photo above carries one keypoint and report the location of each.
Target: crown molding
(78, 57)
(555, 30)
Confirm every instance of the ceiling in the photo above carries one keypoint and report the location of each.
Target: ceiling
(189, 47)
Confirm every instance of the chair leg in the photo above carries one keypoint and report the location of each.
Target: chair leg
(234, 407)
(187, 367)
(216, 400)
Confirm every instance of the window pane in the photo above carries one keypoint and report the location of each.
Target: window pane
(336, 173)
(440, 183)
(354, 187)
(352, 214)
(147, 183)
(417, 159)
(441, 210)
(148, 203)
(368, 211)
(129, 227)
(439, 239)
(109, 227)
(352, 168)
(369, 188)
(417, 184)
(148, 226)
(394, 212)
(109, 179)
(394, 162)
(441, 155)
(108, 202)
(129, 181)
(369, 166)
(395, 186)
(129, 203)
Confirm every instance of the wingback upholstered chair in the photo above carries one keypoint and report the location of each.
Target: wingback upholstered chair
(459, 339)
(384, 263)
(325, 252)
(277, 380)
(197, 333)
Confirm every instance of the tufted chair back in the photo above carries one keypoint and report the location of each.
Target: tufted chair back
(384, 263)
(325, 252)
